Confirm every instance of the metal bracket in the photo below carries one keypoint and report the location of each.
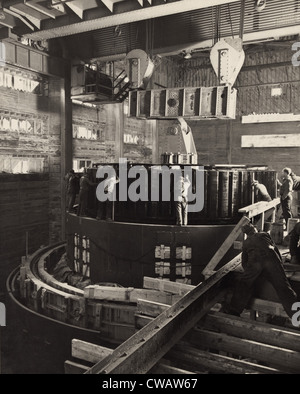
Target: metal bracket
(227, 57)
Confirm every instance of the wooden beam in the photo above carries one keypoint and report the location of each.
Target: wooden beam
(140, 352)
(92, 353)
(142, 320)
(224, 247)
(167, 286)
(107, 293)
(243, 328)
(215, 363)
(265, 306)
(150, 308)
(126, 294)
(259, 207)
(264, 216)
(88, 351)
(267, 118)
(255, 331)
(190, 357)
(166, 369)
(270, 140)
(283, 359)
(72, 368)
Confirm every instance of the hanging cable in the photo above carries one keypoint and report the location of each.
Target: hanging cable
(147, 39)
(218, 33)
(212, 25)
(152, 38)
(228, 6)
(242, 18)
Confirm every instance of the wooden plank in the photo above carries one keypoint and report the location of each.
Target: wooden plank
(237, 260)
(151, 295)
(72, 368)
(167, 286)
(94, 353)
(270, 141)
(243, 328)
(264, 217)
(265, 306)
(215, 363)
(166, 369)
(117, 332)
(224, 247)
(142, 320)
(140, 352)
(283, 359)
(88, 351)
(256, 331)
(150, 308)
(277, 117)
(259, 207)
(183, 353)
(107, 293)
(128, 294)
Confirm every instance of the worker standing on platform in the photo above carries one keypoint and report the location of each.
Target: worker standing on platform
(296, 181)
(286, 188)
(72, 189)
(260, 256)
(106, 208)
(294, 236)
(181, 206)
(85, 184)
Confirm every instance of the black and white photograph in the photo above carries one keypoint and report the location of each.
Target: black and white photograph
(149, 190)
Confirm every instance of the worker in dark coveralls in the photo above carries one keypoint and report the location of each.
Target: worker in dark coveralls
(286, 188)
(106, 208)
(296, 181)
(85, 184)
(261, 191)
(72, 189)
(294, 236)
(260, 257)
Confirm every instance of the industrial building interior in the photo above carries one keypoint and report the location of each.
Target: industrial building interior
(206, 86)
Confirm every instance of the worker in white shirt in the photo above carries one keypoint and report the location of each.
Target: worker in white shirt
(181, 200)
